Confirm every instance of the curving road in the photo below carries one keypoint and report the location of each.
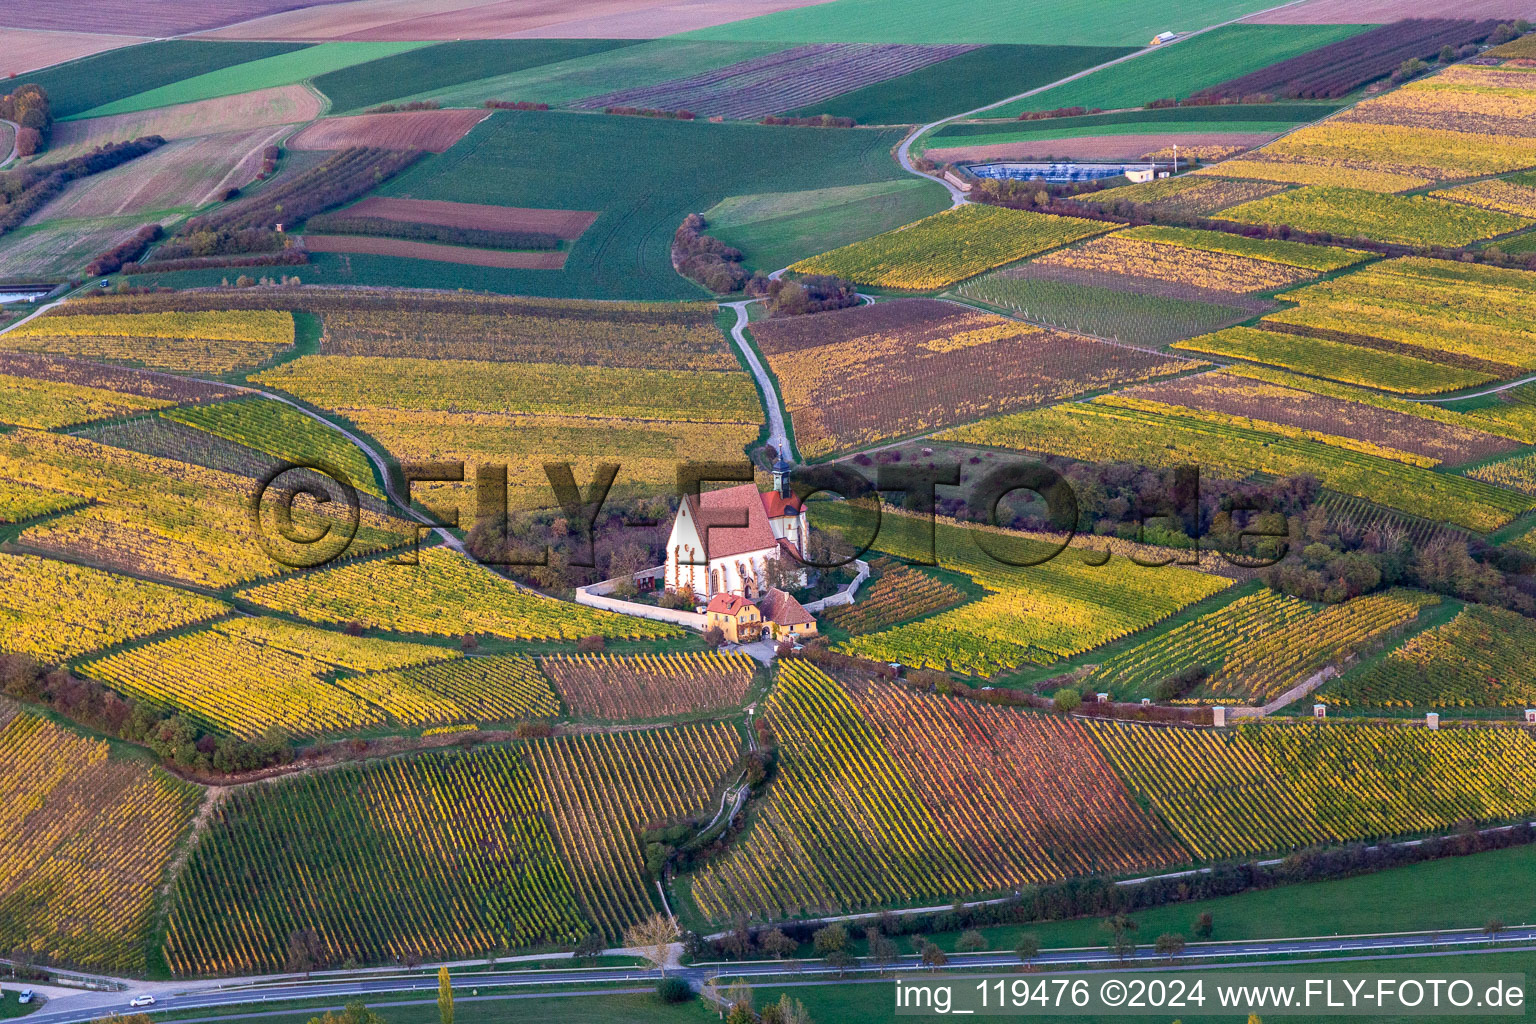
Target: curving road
(91, 1006)
(15, 137)
(778, 435)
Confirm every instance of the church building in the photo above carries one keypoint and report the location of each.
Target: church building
(723, 540)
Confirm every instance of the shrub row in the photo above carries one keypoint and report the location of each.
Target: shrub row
(125, 251)
(675, 115)
(342, 224)
(1040, 115)
(286, 258)
(706, 259)
(515, 105)
(819, 121)
(390, 108)
(340, 179)
(25, 190)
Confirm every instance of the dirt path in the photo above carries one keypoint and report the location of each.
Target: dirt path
(15, 139)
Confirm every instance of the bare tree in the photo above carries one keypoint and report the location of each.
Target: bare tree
(652, 939)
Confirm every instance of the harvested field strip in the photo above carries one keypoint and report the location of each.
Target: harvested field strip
(287, 104)
(379, 246)
(1296, 173)
(780, 81)
(1334, 360)
(278, 70)
(458, 386)
(1103, 304)
(1176, 264)
(567, 224)
(1262, 403)
(184, 173)
(1185, 195)
(31, 49)
(451, 596)
(432, 130)
(1166, 440)
(949, 247)
(104, 77)
(910, 366)
(46, 405)
(1350, 212)
(672, 336)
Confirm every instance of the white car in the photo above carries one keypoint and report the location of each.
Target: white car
(25, 997)
(144, 1000)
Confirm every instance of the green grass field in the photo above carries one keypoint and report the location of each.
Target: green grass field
(1035, 133)
(643, 175)
(775, 229)
(1185, 67)
(647, 63)
(9, 1007)
(1103, 312)
(1087, 23)
(961, 83)
(102, 78)
(280, 69)
(873, 1001)
(446, 65)
(1209, 118)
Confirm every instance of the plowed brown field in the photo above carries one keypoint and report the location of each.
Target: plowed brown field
(502, 19)
(432, 130)
(288, 104)
(568, 224)
(369, 245)
(1379, 12)
(27, 49)
(146, 17)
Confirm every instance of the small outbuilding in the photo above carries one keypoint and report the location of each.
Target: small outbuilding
(784, 617)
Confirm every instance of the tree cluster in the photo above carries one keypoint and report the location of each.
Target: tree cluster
(1333, 557)
(671, 115)
(172, 738)
(515, 105)
(551, 550)
(813, 293)
(390, 108)
(706, 259)
(219, 242)
(27, 105)
(286, 258)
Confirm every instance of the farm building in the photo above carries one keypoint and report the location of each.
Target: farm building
(723, 540)
(736, 617)
(784, 617)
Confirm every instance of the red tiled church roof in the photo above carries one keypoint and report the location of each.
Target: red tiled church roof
(778, 505)
(728, 508)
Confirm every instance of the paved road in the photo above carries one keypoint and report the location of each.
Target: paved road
(93, 1006)
(778, 436)
(1476, 394)
(15, 129)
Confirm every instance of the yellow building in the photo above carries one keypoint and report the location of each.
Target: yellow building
(736, 617)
